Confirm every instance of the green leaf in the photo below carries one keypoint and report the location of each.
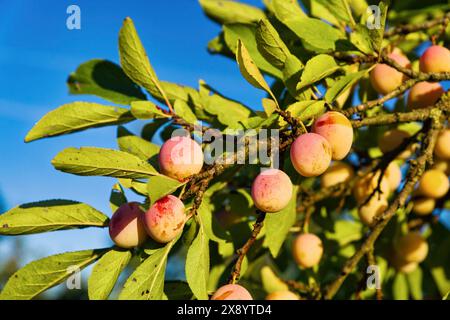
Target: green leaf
(293, 68)
(177, 290)
(270, 281)
(376, 34)
(340, 9)
(183, 110)
(147, 281)
(40, 275)
(305, 110)
(135, 145)
(360, 38)
(77, 116)
(249, 70)
(400, 287)
(160, 186)
(197, 265)
(269, 106)
(344, 83)
(91, 161)
(270, 45)
(135, 185)
(104, 79)
(134, 60)
(146, 110)
(117, 197)
(415, 279)
(277, 225)
(286, 9)
(345, 231)
(50, 215)
(226, 11)
(316, 69)
(247, 34)
(106, 272)
(315, 33)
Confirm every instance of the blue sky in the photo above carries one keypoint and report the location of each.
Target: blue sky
(37, 53)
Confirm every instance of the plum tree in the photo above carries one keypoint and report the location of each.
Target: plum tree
(337, 129)
(433, 184)
(373, 207)
(307, 250)
(367, 185)
(282, 295)
(180, 157)
(392, 139)
(311, 154)
(412, 247)
(165, 219)
(423, 206)
(232, 292)
(442, 148)
(271, 190)
(338, 172)
(435, 59)
(126, 227)
(384, 78)
(424, 94)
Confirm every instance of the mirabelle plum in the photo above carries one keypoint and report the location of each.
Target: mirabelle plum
(384, 78)
(412, 247)
(310, 154)
(337, 173)
(307, 250)
(423, 206)
(165, 219)
(180, 157)
(435, 59)
(282, 295)
(375, 206)
(126, 227)
(271, 190)
(337, 129)
(367, 184)
(442, 165)
(394, 175)
(442, 148)
(433, 184)
(232, 292)
(392, 139)
(424, 94)
(401, 265)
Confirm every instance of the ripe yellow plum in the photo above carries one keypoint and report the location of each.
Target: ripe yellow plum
(435, 59)
(271, 190)
(232, 292)
(126, 227)
(310, 154)
(282, 295)
(424, 94)
(392, 139)
(423, 206)
(384, 78)
(433, 184)
(374, 207)
(412, 247)
(307, 250)
(442, 148)
(338, 172)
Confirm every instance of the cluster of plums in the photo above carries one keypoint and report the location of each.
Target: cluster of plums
(385, 79)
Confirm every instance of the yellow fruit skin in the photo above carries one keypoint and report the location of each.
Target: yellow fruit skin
(338, 172)
(391, 140)
(272, 190)
(307, 250)
(384, 78)
(424, 94)
(393, 175)
(282, 295)
(365, 186)
(433, 184)
(442, 148)
(423, 206)
(442, 165)
(412, 247)
(374, 207)
(435, 59)
(311, 154)
(232, 292)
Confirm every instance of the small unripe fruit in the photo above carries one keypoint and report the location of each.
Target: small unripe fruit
(433, 184)
(374, 207)
(423, 206)
(307, 250)
(366, 185)
(337, 129)
(412, 247)
(126, 227)
(232, 292)
(310, 154)
(435, 59)
(424, 94)
(165, 219)
(394, 175)
(180, 157)
(384, 78)
(282, 295)
(338, 172)
(271, 190)
(442, 148)
(392, 139)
